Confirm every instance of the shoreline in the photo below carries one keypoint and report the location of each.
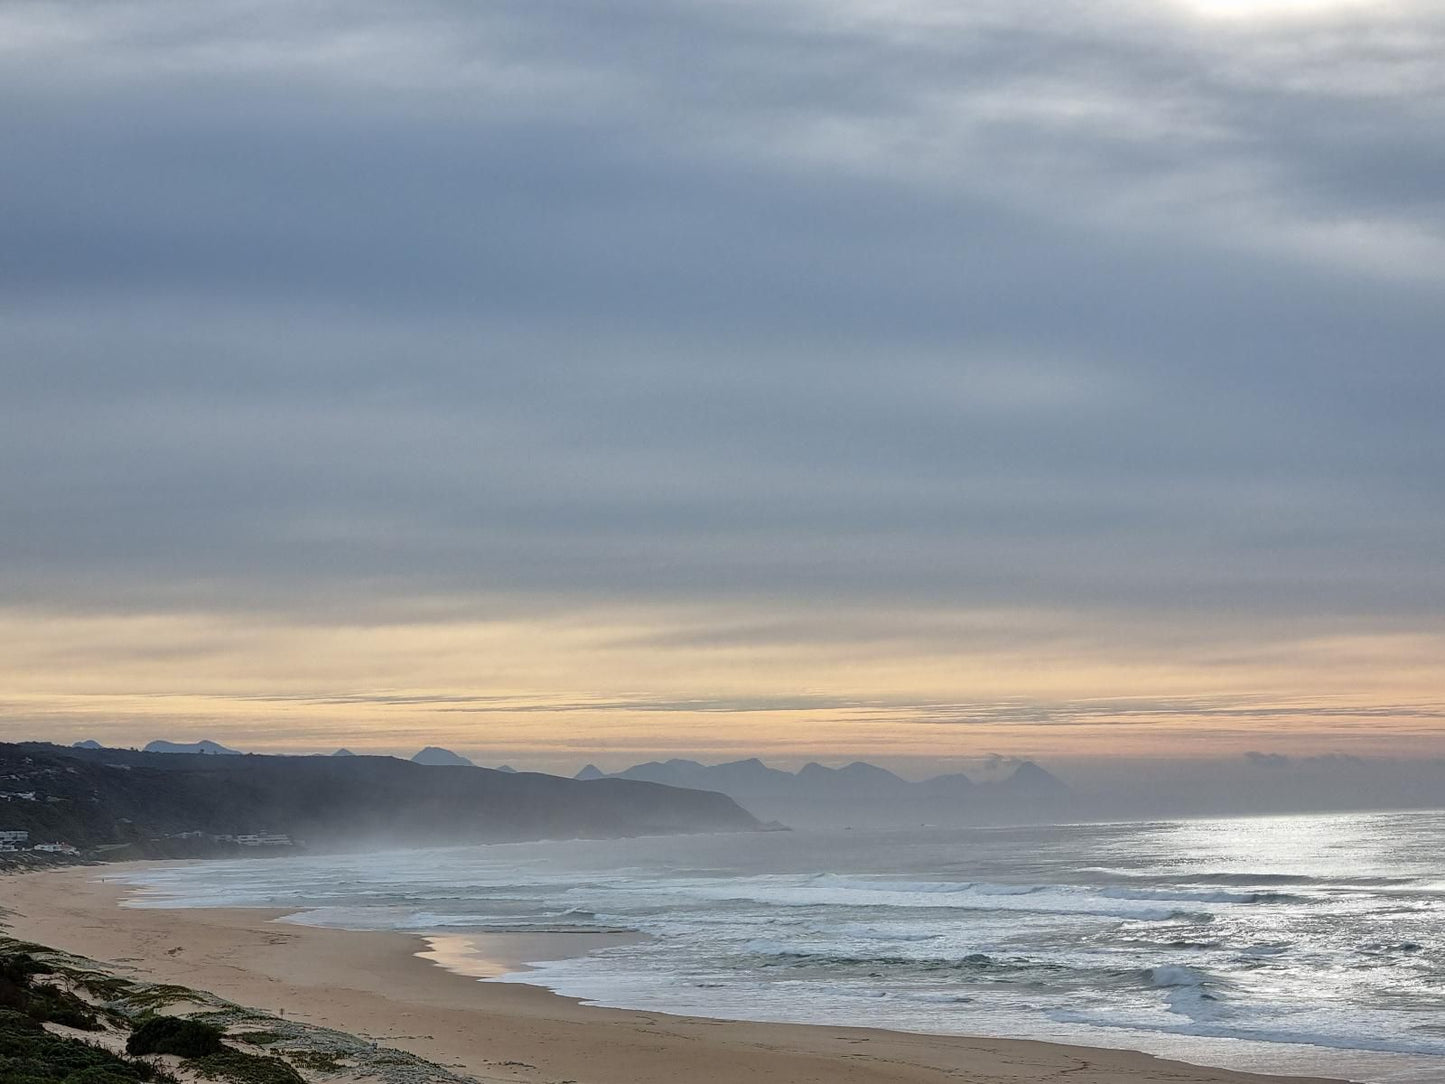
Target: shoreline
(398, 989)
(510, 953)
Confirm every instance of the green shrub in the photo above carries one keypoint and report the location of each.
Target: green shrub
(39, 1000)
(60, 1007)
(13, 1023)
(106, 987)
(172, 1035)
(156, 996)
(31, 1055)
(100, 1074)
(318, 1061)
(242, 1068)
(19, 966)
(258, 1038)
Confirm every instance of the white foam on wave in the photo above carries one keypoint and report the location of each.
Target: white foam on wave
(834, 891)
(1237, 1029)
(1186, 896)
(1174, 975)
(1181, 960)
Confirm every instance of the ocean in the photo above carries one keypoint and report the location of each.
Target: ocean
(1289, 944)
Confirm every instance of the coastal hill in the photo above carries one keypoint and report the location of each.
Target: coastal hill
(181, 803)
(160, 745)
(862, 794)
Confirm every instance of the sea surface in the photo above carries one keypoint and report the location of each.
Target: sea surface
(1298, 944)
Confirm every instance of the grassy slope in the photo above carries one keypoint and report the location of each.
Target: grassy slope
(40, 987)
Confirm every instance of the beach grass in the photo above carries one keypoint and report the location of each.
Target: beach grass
(169, 1033)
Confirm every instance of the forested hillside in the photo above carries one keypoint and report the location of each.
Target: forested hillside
(175, 803)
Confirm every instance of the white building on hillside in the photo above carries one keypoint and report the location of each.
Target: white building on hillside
(56, 848)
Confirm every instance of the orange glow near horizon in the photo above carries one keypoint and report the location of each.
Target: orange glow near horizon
(628, 684)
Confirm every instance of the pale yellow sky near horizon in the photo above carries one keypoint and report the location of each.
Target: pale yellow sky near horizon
(889, 379)
(626, 683)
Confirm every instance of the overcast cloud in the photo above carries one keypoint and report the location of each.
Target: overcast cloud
(1112, 307)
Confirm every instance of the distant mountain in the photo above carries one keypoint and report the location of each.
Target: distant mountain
(438, 757)
(89, 743)
(202, 746)
(751, 776)
(343, 752)
(1028, 779)
(860, 793)
(505, 768)
(165, 804)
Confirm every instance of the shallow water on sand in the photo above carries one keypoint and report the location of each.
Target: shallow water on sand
(1301, 944)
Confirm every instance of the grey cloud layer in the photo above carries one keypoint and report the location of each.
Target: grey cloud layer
(1106, 308)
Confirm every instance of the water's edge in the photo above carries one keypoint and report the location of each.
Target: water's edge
(1304, 945)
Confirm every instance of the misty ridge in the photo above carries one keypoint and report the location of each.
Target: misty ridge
(1012, 790)
(862, 794)
(125, 803)
(1019, 791)
(195, 799)
(816, 796)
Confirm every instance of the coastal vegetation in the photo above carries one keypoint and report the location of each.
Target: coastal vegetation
(67, 1020)
(175, 1035)
(31, 1055)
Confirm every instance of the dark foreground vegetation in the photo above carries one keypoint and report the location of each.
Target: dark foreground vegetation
(175, 1035)
(35, 992)
(31, 996)
(31, 1055)
(65, 1020)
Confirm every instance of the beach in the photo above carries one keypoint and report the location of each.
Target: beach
(381, 986)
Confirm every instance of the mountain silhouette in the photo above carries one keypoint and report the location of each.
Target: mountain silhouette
(168, 805)
(860, 793)
(436, 756)
(205, 745)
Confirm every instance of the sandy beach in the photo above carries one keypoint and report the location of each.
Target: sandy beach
(391, 987)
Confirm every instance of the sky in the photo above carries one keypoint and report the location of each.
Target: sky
(917, 380)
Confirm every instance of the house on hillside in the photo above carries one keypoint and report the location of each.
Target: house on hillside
(56, 848)
(13, 840)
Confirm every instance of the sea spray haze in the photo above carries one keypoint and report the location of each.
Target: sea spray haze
(1306, 944)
